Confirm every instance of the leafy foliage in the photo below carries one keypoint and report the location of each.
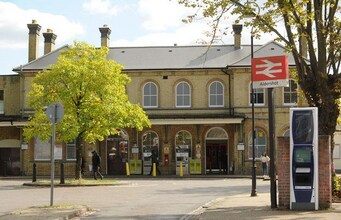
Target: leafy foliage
(92, 90)
(309, 29)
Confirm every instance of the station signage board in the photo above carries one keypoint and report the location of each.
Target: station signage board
(270, 72)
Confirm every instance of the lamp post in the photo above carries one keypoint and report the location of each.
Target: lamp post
(254, 167)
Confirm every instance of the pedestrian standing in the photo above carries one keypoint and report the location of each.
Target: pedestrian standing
(265, 160)
(96, 163)
(155, 160)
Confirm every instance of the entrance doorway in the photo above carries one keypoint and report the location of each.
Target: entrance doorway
(217, 159)
(117, 153)
(9, 161)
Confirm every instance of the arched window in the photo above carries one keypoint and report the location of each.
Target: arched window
(290, 93)
(258, 96)
(287, 133)
(183, 142)
(260, 143)
(183, 138)
(216, 133)
(150, 141)
(150, 95)
(183, 95)
(216, 94)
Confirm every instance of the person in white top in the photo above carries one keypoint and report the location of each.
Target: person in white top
(265, 160)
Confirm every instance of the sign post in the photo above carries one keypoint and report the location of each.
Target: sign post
(270, 72)
(55, 113)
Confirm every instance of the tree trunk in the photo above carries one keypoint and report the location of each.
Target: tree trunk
(78, 158)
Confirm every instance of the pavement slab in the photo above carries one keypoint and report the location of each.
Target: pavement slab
(56, 212)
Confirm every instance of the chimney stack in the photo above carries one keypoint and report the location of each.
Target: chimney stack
(105, 35)
(237, 29)
(33, 40)
(49, 41)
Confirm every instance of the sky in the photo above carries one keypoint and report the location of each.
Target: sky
(132, 23)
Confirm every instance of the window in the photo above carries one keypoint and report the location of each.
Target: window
(183, 142)
(260, 141)
(1, 101)
(183, 95)
(216, 96)
(290, 93)
(183, 138)
(150, 141)
(71, 150)
(150, 92)
(42, 149)
(287, 133)
(258, 96)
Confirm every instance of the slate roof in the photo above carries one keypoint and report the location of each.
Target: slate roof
(173, 57)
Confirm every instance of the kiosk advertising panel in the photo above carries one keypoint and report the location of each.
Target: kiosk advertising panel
(303, 158)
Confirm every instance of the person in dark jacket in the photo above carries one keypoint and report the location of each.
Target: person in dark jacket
(96, 163)
(156, 161)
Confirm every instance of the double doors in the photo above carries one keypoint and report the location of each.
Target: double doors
(216, 158)
(9, 161)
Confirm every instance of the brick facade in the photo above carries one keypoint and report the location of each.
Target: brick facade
(283, 169)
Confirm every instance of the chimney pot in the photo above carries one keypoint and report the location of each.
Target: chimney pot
(49, 42)
(237, 29)
(105, 35)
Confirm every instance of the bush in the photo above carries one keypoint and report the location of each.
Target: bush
(337, 183)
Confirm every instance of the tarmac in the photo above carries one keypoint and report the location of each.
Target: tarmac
(238, 207)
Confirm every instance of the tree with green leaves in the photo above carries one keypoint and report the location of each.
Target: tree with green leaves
(92, 90)
(302, 25)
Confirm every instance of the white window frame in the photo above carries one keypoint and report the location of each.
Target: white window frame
(150, 96)
(183, 96)
(259, 148)
(69, 145)
(256, 91)
(215, 96)
(290, 92)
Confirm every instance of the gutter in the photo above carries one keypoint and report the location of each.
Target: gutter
(230, 94)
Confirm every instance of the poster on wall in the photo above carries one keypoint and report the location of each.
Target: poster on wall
(58, 152)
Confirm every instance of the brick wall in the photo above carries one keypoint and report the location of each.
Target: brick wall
(283, 168)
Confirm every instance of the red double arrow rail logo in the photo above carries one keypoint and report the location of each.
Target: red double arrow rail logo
(268, 71)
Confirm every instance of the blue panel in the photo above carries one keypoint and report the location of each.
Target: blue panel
(303, 195)
(303, 127)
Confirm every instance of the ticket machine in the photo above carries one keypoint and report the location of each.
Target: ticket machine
(304, 158)
(182, 154)
(147, 161)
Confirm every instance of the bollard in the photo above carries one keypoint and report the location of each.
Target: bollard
(62, 177)
(127, 169)
(181, 169)
(154, 169)
(34, 176)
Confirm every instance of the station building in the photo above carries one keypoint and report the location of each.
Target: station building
(198, 99)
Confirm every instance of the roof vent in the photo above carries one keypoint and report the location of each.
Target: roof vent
(170, 51)
(122, 51)
(218, 49)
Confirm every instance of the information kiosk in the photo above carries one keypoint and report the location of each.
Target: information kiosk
(304, 159)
